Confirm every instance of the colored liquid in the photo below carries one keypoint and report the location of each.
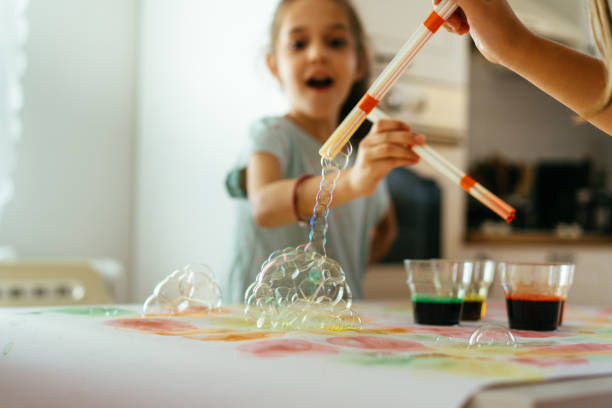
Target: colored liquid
(537, 313)
(437, 311)
(473, 309)
(562, 314)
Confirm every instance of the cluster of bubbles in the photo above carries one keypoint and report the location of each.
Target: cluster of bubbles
(301, 288)
(191, 288)
(298, 288)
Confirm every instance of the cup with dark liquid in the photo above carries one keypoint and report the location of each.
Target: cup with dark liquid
(475, 301)
(438, 288)
(536, 293)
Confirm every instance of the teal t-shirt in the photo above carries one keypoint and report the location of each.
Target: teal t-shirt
(348, 236)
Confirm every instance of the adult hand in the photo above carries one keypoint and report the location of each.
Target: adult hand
(496, 30)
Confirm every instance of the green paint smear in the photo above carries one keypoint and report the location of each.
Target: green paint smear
(397, 309)
(436, 299)
(598, 358)
(379, 359)
(604, 331)
(86, 311)
(16, 322)
(398, 360)
(7, 349)
(93, 311)
(580, 339)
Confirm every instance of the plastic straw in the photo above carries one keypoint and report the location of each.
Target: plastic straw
(475, 189)
(387, 78)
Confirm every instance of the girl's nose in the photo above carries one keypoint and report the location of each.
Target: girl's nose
(317, 51)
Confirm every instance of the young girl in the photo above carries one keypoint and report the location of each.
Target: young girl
(581, 82)
(318, 55)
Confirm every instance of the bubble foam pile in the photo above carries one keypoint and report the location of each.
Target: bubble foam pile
(302, 288)
(192, 288)
(299, 288)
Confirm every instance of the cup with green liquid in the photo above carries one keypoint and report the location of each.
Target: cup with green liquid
(475, 301)
(438, 289)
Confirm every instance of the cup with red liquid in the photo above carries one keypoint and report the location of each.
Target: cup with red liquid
(438, 288)
(536, 293)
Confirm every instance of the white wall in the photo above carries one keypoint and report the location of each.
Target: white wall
(74, 170)
(202, 81)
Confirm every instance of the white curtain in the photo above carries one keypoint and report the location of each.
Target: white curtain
(13, 33)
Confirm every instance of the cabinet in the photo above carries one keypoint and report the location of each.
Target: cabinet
(432, 93)
(390, 23)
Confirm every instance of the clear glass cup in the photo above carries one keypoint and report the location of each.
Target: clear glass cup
(475, 301)
(438, 288)
(536, 293)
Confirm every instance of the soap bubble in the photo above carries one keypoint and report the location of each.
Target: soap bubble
(299, 288)
(191, 288)
(492, 335)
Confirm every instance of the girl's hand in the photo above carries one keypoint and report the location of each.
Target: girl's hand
(496, 30)
(388, 145)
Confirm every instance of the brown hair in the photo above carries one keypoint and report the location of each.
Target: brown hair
(601, 26)
(360, 87)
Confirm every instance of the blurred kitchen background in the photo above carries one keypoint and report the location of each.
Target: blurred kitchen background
(134, 110)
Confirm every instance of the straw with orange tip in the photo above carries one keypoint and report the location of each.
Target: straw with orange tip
(438, 162)
(387, 78)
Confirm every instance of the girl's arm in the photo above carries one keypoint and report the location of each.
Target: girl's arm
(388, 145)
(574, 79)
(382, 236)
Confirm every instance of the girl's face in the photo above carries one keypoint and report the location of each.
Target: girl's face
(315, 58)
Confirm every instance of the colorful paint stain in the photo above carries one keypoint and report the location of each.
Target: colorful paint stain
(531, 334)
(152, 325)
(549, 362)
(454, 332)
(569, 350)
(98, 311)
(285, 347)
(237, 336)
(194, 312)
(236, 321)
(425, 364)
(386, 330)
(7, 348)
(491, 369)
(377, 343)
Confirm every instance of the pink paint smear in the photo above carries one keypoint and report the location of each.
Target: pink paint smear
(285, 347)
(376, 343)
(151, 325)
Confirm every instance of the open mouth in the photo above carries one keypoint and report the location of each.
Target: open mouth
(320, 83)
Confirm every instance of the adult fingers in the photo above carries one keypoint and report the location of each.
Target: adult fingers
(400, 137)
(457, 23)
(389, 151)
(385, 125)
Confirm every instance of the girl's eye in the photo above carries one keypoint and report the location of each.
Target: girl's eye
(298, 44)
(337, 42)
